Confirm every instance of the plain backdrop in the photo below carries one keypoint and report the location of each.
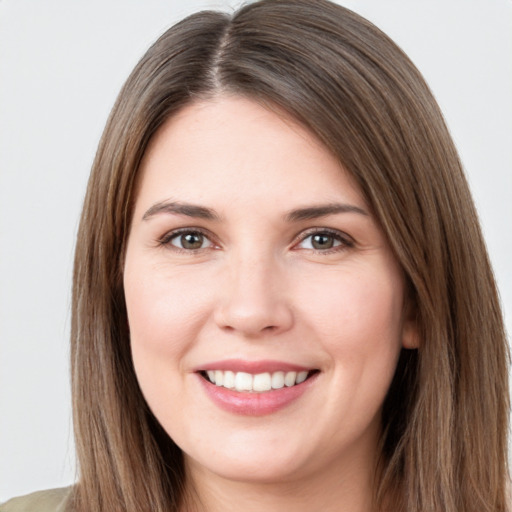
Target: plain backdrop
(62, 64)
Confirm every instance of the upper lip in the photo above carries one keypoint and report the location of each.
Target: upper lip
(253, 367)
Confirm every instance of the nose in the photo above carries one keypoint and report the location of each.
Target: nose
(253, 301)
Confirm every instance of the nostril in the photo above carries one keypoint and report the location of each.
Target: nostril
(252, 316)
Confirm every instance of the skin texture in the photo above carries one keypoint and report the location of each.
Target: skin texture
(257, 289)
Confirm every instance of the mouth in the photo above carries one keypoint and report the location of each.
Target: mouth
(244, 382)
(255, 388)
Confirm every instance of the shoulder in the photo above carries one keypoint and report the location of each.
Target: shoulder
(53, 500)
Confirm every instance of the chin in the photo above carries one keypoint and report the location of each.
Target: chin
(257, 470)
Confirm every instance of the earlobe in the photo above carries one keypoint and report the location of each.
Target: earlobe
(410, 330)
(410, 334)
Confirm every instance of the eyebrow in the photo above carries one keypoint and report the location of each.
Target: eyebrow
(179, 208)
(296, 215)
(316, 212)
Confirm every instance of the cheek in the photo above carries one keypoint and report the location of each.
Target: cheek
(165, 314)
(358, 324)
(362, 301)
(162, 311)
(357, 317)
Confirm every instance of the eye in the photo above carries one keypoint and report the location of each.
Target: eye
(187, 240)
(324, 240)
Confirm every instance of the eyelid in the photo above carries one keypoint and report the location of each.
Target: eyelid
(346, 240)
(165, 240)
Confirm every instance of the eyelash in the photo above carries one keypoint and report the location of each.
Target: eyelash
(166, 240)
(345, 242)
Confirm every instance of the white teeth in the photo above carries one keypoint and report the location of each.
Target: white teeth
(261, 382)
(301, 377)
(243, 381)
(229, 380)
(277, 380)
(289, 379)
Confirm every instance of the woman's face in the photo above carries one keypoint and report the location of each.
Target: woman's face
(253, 261)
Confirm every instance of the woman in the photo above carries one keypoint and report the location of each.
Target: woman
(271, 297)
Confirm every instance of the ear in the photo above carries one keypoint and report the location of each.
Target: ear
(410, 331)
(410, 334)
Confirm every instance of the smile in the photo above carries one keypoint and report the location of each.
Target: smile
(259, 383)
(255, 388)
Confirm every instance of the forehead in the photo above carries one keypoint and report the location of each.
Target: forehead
(232, 148)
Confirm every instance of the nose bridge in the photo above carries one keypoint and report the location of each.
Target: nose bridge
(254, 296)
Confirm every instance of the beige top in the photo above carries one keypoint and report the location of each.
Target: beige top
(53, 500)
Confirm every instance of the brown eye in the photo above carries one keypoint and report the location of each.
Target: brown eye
(190, 241)
(322, 241)
(325, 240)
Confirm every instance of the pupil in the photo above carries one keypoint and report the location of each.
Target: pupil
(322, 241)
(192, 241)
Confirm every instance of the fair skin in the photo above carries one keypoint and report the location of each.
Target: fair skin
(282, 267)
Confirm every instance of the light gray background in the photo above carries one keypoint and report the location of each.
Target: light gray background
(61, 66)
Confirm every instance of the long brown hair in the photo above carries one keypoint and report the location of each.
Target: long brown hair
(445, 418)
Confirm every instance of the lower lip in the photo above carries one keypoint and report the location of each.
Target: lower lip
(255, 404)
